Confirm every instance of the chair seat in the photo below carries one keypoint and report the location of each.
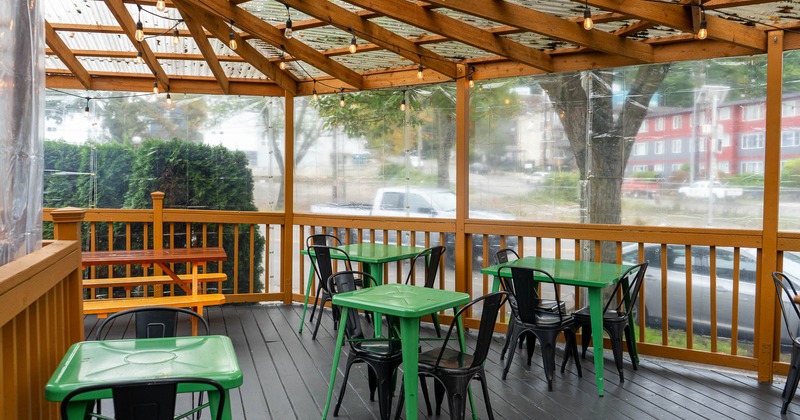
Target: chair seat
(546, 318)
(610, 315)
(451, 359)
(385, 349)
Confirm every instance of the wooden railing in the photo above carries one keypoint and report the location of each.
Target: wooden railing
(40, 317)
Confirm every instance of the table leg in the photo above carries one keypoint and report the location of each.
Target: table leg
(308, 292)
(409, 337)
(213, 400)
(376, 271)
(596, 313)
(78, 410)
(336, 353)
(496, 284)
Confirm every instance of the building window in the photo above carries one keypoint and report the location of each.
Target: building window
(789, 108)
(724, 113)
(640, 168)
(660, 124)
(658, 168)
(724, 167)
(753, 112)
(726, 140)
(640, 149)
(658, 147)
(676, 145)
(677, 122)
(701, 145)
(790, 139)
(643, 127)
(676, 167)
(753, 167)
(753, 141)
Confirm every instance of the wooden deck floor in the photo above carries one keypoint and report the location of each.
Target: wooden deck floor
(286, 377)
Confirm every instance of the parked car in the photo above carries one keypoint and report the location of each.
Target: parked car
(701, 291)
(702, 189)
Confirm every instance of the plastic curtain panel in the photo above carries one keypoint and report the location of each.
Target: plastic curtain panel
(22, 82)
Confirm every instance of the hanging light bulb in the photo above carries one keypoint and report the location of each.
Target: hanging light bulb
(287, 32)
(161, 5)
(169, 100)
(471, 82)
(139, 35)
(341, 98)
(702, 33)
(232, 38)
(353, 46)
(403, 103)
(282, 65)
(155, 87)
(176, 39)
(420, 76)
(588, 23)
(86, 110)
(139, 59)
(314, 91)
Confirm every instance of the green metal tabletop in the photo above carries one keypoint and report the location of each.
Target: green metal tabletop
(401, 300)
(375, 253)
(574, 273)
(98, 362)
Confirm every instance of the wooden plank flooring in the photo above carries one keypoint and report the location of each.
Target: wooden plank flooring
(286, 377)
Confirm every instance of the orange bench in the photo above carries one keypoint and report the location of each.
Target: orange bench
(130, 282)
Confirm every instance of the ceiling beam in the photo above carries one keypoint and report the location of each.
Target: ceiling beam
(446, 26)
(199, 36)
(220, 29)
(67, 57)
(364, 29)
(679, 17)
(125, 21)
(542, 23)
(158, 55)
(273, 36)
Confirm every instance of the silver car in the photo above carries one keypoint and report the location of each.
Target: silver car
(701, 290)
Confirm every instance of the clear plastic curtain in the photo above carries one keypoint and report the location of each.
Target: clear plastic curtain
(21, 124)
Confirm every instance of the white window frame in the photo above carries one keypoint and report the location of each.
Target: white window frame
(677, 145)
(658, 147)
(639, 149)
(677, 122)
(660, 124)
(751, 141)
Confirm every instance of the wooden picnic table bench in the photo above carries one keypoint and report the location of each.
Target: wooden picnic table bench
(129, 282)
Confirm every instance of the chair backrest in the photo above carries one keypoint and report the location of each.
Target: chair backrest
(432, 257)
(346, 281)
(784, 286)
(323, 239)
(629, 284)
(505, 255)
(323, 261)
(491, 306)
(152, 399)
(523, 287)
(154, 321)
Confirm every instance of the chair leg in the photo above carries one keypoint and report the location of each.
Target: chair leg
(586, 336)
(436, 324)
(791, 379)
(385, 385)
(531, 339)
(401, 399)
(314, 307)
(424, 383)
(629, 339)
(350, 362)
(319, 320)
(514, 338)
(571, 349)
(509, 332)
(438, 392)
(548, 339)
(615, 334)
(482, 377)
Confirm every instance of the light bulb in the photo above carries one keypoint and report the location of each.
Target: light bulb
(314, 92)
(282, 65)
(588, 24)
(471, 82)
(420, 76)
(139, 35)
(403, 105)
(341, 101)
(232, 42)
(155, 87)
(288, 31)
(169, 100)
(353, 46)
(139, 59)
(161, 5)
(86, 111)
(703, 32)
(175, 37)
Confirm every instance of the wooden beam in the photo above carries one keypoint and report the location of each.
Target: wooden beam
(452, 28)
(144, 83)
(67, 57)
(273, 36)
(679, 17)
(125, 21)
(554, 27)
(221, 30)
(158, 55)
(346, 20)
(198, 33)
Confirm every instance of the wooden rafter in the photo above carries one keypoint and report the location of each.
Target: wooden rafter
(346, 20)
(221, 30)
(273, 36)
(554, 27)
(459, 31)
(125, 21)
(198, 33)
(67, 57)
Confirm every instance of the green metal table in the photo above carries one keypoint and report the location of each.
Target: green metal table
(98, 362)
(373, 256)
(407, 303)
(591, 275)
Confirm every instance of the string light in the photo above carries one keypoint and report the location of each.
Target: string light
(353, 46)
(420, 76)
(702, 33)
(282, 64)
(139, 59)
(288, 31)
(403, 102)
(139, 35)
(314, 91)
(341, 97)
(161, 5)
(232, 38)
(588, 23)
(471, 82)
(155, 87)
(86, 110)
(169, 100)
(176, 39)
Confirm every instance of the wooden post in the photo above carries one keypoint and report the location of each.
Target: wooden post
(462, 240)
(287, 230)
(67, 227)
(158, 235)
(67, 223)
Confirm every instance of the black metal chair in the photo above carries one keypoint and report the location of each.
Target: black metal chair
(784, 286)
(544, 325)
(382, 355)
(432, 257)
(153, 321)
(323, 266)
(152, 399)
(452, 370)
(617, 314)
